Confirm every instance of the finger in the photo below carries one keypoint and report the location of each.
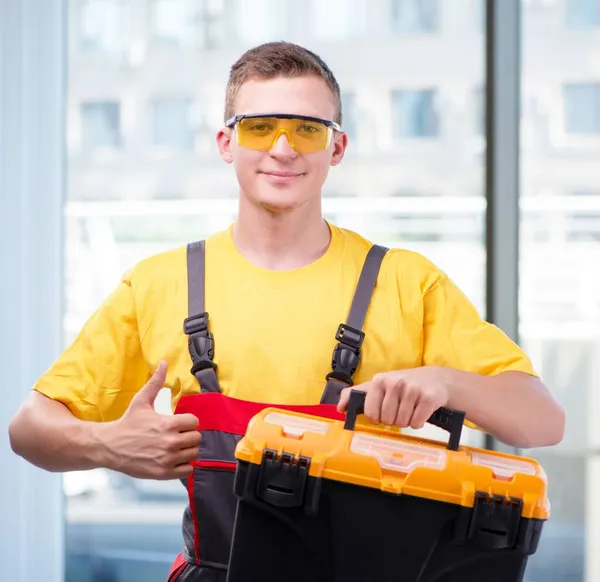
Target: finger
(189, 439)
(391, 401)
(179, 472)
(344, 399)
(148, 394)
(407, 407)
(422, 413)
(373, 402)
(184, 422)
(184, 456)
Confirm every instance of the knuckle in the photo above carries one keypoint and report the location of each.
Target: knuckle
(428, 399)
(378, 378)
(399, 387)
(166, 423)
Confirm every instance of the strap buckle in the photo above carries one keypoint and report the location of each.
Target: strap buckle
(350, 336)
(201, 342)
(196, 323)
(346, 354)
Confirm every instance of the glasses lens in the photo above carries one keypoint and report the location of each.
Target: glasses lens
(304, 136)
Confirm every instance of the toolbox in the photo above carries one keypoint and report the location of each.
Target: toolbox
(323, 500)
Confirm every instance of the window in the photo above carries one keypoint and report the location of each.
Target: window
(410, 16)
(168, 186)
(350, 114)
(261, 20)
(104, 25)
(100, 122)
(339, 19)
(583, 13)
(415, 113)
(560, 288)
(582, 108)
(172, 124)
(187, 23)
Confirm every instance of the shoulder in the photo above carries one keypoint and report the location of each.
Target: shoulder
(165, 267)
(407, 268)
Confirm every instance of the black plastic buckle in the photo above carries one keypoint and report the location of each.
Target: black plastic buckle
(196, 323)
(201, 342)
(283, 479)
(493, 522)
(346, 354)
(349, 336)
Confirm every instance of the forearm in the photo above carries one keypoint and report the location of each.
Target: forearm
(513, 407)
(46, 434)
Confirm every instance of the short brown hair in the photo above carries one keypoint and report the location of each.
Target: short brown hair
(278, 59)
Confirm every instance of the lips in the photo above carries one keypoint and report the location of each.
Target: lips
(281, 174)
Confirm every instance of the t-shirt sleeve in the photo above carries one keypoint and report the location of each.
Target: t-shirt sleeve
(456, 336)
(98, 374)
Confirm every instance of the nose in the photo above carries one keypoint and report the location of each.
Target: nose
(282, 148)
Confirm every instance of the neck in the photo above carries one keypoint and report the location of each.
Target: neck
(281, 241)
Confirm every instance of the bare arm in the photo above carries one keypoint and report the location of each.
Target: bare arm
(142, 443)
(47, 434)
(514, 407)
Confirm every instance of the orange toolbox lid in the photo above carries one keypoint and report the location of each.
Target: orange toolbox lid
(379, 458)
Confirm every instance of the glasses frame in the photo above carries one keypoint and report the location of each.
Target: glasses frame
(237, 118)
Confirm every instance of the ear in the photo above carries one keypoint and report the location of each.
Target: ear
(340, 143)
(224, 137)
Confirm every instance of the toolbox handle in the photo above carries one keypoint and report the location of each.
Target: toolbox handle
(446, 418)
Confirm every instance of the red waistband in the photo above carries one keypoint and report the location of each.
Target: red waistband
(218, 412)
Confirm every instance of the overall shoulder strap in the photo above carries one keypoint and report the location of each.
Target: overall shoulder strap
(350, 337)
(201, 342)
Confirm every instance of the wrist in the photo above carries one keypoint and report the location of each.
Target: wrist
(102, 453)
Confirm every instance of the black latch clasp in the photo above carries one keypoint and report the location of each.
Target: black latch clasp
(201, 342)
(283, 479)
(346, 354)
(493, 523)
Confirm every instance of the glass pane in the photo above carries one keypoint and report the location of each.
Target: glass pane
(582, 107)
(187, 23)
(165, 185)
(349, 107)
(412, 16)
(560, 279)
(172, 124)
(100, 123)
(104, 25)
(582, 13)
(261, 20)
(339, 19)
(415, 113)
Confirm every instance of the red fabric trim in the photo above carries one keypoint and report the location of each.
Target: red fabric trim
(190, 488)
(218, 412)
(177, 568)
(218, 465)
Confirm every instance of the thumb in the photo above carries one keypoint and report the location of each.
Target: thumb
(344, 399)
(147, 395)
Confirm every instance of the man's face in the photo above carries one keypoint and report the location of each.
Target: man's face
(282, 179)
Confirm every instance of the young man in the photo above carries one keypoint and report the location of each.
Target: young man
(278, 284)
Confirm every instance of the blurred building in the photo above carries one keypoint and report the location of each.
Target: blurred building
(145, 98)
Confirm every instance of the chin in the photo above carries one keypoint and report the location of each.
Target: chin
(278, 200)
(279, 206)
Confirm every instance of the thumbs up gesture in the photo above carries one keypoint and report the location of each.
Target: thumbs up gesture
(149, 445)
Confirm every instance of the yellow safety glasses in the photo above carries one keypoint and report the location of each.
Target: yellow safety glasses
(304, 134)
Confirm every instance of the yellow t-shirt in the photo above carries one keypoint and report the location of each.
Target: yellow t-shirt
(274, 331)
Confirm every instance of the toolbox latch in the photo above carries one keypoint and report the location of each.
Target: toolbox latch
(283, 479)
(493, 523)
